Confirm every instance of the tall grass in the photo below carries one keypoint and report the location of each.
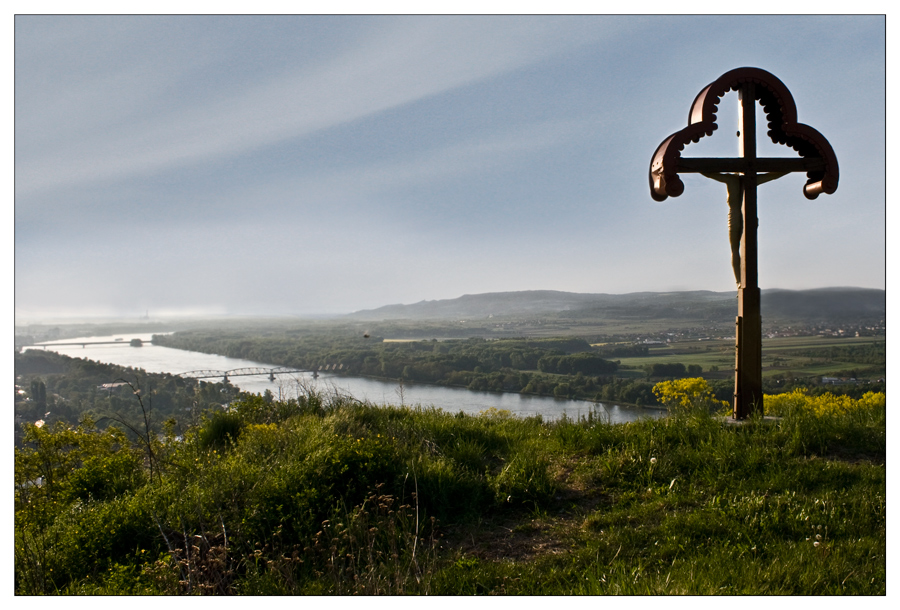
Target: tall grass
(326, 495)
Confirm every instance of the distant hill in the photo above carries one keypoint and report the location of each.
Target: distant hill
(819, 305)
(825, 303)
(483, 305)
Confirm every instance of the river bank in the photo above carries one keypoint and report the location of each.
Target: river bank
(115, 349)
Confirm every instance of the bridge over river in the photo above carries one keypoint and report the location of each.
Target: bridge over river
(252, 370)
(256, 377)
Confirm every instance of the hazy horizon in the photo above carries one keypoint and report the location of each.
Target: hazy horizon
(321, 165)
(183, 316)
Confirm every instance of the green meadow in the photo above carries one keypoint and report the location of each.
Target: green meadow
(327, 495)
(802, 356)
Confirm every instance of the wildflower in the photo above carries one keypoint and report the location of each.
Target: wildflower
(653, 460)
(685, 393)
(816, 543)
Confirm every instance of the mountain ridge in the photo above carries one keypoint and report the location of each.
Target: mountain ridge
(810, 304)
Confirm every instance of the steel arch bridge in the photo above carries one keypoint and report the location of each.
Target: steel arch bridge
(253, 370)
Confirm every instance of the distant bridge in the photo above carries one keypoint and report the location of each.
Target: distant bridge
(253, 370)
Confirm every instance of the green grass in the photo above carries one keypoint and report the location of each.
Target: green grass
(331, 496)
(776, 356)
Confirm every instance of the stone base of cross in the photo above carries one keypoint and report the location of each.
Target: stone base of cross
(816, 159)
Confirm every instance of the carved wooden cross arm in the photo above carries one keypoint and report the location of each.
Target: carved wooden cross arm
(816, 157)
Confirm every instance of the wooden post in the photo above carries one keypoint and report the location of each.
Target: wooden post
(748, 384)
(738, 369)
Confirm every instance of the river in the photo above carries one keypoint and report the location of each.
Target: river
(158, 359)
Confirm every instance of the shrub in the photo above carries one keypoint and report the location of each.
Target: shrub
(799, 401)
(686, 395)
(107, 476)
(220, 430)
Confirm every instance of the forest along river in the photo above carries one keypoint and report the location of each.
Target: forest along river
(158, 359)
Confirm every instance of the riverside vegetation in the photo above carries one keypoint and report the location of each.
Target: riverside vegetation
(322, 494)
(605, 369)
(55, 388)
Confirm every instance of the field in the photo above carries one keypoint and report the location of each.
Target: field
(800, 356)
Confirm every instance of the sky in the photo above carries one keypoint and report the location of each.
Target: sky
(303, 165)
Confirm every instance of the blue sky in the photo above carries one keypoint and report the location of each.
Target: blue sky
(312, 164)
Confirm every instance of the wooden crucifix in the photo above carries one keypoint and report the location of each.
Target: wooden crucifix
(744, 174)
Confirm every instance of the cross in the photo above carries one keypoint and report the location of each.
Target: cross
(816, 158)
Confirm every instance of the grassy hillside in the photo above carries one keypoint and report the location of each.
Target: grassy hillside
(326, 495)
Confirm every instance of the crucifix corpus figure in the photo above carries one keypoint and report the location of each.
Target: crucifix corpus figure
(735, 217)
(742, 175)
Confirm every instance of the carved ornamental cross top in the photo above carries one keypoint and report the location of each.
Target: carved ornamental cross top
(817, 158)
(742, 174)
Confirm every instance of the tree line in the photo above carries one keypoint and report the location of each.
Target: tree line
(563, 367)
(52, 387)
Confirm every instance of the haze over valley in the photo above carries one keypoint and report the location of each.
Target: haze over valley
(184, 166)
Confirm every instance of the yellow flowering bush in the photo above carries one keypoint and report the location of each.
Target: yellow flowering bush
(495, 413)
(687, 394)
(826, 404)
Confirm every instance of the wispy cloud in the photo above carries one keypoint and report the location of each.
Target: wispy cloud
(312, 163)
(398, 64)
(459, 161)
